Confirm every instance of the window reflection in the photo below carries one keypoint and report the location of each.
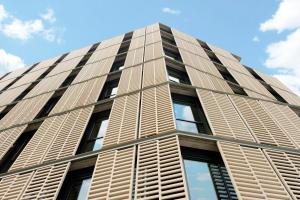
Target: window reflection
(185, 120)
(84, 189)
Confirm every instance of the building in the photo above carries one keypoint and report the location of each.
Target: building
(151, 114)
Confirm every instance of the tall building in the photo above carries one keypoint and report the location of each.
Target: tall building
(151, 114)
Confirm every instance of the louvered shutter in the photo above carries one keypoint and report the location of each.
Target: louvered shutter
(123, 121)
(130, 80)
(223, 118)
(153, 51)
(156, 111)
(160, 173)
(155, 72)
(113, 175)
(251, 173)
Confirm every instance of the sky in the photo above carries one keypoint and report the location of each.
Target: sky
(266, 34)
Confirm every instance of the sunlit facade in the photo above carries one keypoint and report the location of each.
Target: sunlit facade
(151, 114)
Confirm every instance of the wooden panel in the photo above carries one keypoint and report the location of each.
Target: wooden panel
(110, 42)
(65, 66)
(113, 175)
(181, 35)
(130, 80)
(250, 83)
(223, 118)
(251, 173)
(77, 53)
(285, 118)
(103, 53)
(45, 63)
(24, 111)
(134, 57)
(222, 52)
(8, 96)
(46, 182)
(152, 28)
(68, 137)
(153, 37)
(232, 64)
(137, 43)
(95, 69)
(153, 51)
(123, 121)
(160, 171)
(35, 150)
(79, 95)
(8, 138)
(198, 62)
(12, 187)
(288, 167)
(156, 111)
(139, 33)
(260, 123)
(190, 48)
(204, 80)
(11, 77)
(291, 98)
(155, 72)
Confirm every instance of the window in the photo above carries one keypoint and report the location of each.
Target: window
(76, 185)
(207, 177)
(189, 114)
(95, 132)
(118, 63)
(110, 89)
(177, 76)
(6, 110)
(13, 153)
(48, 107)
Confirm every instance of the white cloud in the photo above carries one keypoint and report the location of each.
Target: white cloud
(9, 62)
(3, 13)
(49, 16)
(171, 11)
(287, 16)
(283, 56)
(255, 39)
(13, 27)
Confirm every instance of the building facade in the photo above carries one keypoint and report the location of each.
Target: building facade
(151, 114)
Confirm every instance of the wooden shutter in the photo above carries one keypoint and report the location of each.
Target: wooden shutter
(155, 72)
(134, 57)
(160, 172)
(288, 168)
(136, 43)
(77, 53)
(113, 175)
(156, 111)
(186, 37)
(223, 118)
(260, 123)
(152, 28)
(153, 51)
(34, 151)
(10, 95)
(222, 52)
(233, 64)
(46, 182)
(25, 111)
(130, 80)
(67, 139)
(285, 118)
(8, 138)
(105, 50)
(153, 37)
(251, 83)
(138, 33)
(123, 120)
(190, 49)
(11, 77)
(45, 64)
(79, 95)
(251, 173)
(12, 187)
(204, 80)
(291, 98)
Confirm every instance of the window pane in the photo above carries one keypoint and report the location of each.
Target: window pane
(186, 126)
(174, 79)
(102, 128)
(183, 112)
(98, 144)
(84, 189)
(199, 180)
(114, 92)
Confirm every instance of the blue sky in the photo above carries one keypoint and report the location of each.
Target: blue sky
(34, 30)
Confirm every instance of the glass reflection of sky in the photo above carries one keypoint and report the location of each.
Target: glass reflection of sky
(199, 180)
(84, 189)
(184, 112)
(99, 142)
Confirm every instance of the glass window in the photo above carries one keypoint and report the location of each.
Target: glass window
(76, 185)
(185, 120)
(110, 89)
(199, 180)
(178, 76)
(94, 133)
(113, 92)
(174, 79)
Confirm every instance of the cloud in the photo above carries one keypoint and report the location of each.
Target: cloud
(15, 28)
(9, 62)
(283, 56)
(203, 177)
(287, 16)
(171, 11)
(49, 16)
(255, 39)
